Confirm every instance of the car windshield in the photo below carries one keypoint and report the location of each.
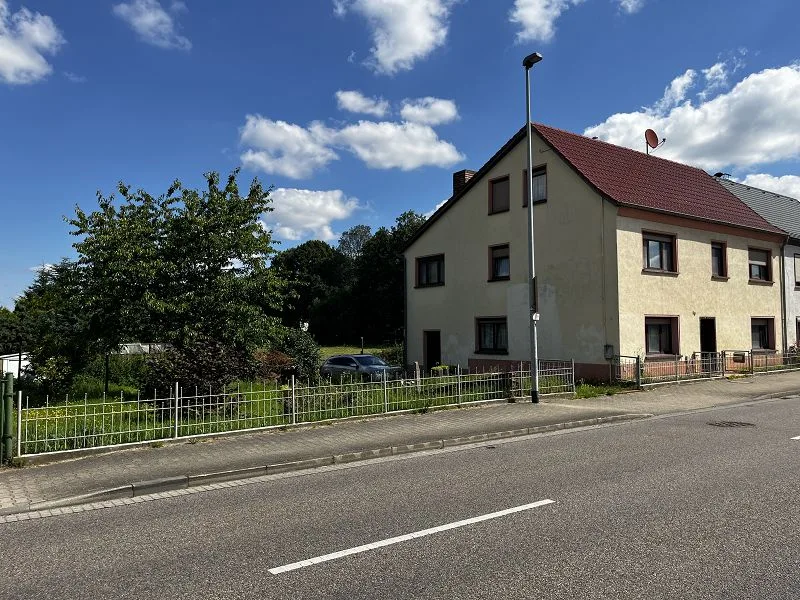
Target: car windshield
(370, 361)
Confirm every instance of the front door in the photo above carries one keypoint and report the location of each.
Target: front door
(708, 343)
(432, 349)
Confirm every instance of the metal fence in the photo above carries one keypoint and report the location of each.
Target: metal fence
(699, 365)
(184, 413)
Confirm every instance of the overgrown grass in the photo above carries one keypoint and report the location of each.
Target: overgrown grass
(85, 424)
(327, 351)
(587, 390)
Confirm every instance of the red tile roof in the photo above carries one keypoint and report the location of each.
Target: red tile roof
(632, 178)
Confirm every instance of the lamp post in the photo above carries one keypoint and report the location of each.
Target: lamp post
(528, 62)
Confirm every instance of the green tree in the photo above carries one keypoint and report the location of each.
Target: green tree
(188, 264)
(315, 274)
(352, 241)
(380, 288)
(10, 332)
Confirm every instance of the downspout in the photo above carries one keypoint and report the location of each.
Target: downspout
(783, 294)
(405, 312)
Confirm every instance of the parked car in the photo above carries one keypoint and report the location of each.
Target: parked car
(364, 366)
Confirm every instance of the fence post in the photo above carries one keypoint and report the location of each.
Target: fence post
(416, 375)
(19, 424)
(294, 404)
(385, 394)
(724, 361)
(676, 368)
(177, 408)
(8, 402)
(458, 384)
(638, 372)
(572, 373)
(752, 366)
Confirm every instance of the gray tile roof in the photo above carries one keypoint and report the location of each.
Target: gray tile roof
(780, 211)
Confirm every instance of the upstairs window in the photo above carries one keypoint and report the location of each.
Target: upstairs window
(430, 270)
(659, 252)
(719, 260)
(499, 195)
(492, 335)
(759, 265)
(499, 263)
(539, 185)
(797, 270)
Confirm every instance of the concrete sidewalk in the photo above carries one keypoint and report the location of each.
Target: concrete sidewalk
(261, 453)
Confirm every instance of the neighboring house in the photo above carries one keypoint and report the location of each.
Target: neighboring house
(783, 212)
(635, 255)
(10, 363)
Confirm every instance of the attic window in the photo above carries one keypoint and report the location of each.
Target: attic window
(499, 195)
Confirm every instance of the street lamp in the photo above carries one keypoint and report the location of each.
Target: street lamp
(528, 62)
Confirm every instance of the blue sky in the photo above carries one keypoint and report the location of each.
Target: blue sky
(356, 110)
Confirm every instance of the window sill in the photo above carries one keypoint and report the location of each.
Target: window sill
(719, 278)
(535, 202)
(497, 212)
(646, 271)
(498, 279)
(662, 357)
(493, 352)
(428, 285)
(760, 282)
(763, 351)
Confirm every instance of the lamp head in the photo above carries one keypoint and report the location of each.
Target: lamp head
(531, 60)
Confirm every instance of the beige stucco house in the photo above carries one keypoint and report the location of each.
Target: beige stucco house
(635, 255)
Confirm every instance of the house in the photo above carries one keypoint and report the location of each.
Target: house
(784, 212)
(11, 363)
(635, 255)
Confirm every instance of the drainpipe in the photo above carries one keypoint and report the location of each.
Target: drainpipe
(405, 312)
(783, 294)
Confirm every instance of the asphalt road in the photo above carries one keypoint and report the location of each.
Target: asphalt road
(670, 507)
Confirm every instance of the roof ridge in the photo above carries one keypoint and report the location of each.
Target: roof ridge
(618, 147)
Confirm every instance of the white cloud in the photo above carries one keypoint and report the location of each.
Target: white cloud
(631, 6)
(404, 146)
(788, 185)
(755, 122)
(300, 214)
(355, 101)
(283, 148)
(25, 37)
(429, 214)
(153, 24)
(75, 78)
(429, 111)
(42, 267)
(716, 78)
(538, 17)
(403, 31)
(676, 91)
(293, 151)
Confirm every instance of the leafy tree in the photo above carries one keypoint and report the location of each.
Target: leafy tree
(56, 324)
(380, 288)
(352, 241)
(187, 265)
(10, 332)
(314, 273)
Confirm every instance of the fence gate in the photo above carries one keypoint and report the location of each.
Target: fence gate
(6, 417)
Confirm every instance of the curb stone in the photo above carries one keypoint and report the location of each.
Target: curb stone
(105, 498)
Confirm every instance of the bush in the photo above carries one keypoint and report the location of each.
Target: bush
(272, 365)
(202, 363)
(304, 351)
(128, 370)
(393, 355)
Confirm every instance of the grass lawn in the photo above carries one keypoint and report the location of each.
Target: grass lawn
(333, 350)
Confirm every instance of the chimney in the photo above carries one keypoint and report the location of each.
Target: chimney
(460, 179)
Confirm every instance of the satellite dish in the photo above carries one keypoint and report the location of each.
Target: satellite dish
(651, 138)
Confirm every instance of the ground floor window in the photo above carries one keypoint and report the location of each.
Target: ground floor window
(762, 332)
(492, 335)
(661, 335)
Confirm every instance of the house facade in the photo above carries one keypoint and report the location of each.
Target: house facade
(624, 249)
(783, 212)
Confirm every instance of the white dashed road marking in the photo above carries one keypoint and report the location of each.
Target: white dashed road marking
(406, 537)
(796, 438)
